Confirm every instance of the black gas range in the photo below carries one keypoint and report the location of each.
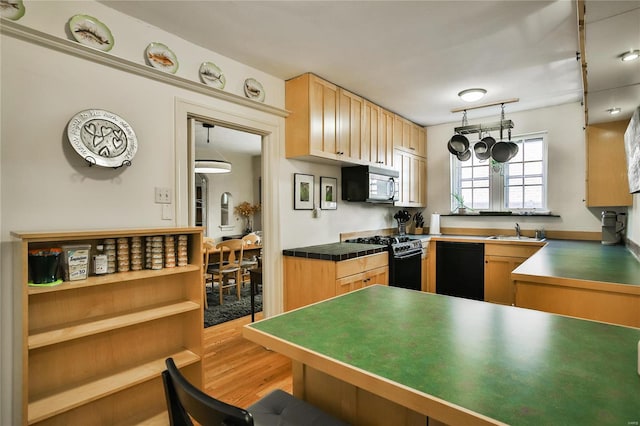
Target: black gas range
(405, 258)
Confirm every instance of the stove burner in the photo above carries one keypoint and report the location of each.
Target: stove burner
(381, 240)
(397, 245)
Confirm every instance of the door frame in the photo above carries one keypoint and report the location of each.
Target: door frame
(271, 128)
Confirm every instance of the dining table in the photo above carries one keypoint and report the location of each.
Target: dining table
(386, 355)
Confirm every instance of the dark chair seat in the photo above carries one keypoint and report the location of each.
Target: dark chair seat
(283, 409)
(276, 409)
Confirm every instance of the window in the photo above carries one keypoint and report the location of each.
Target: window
(519, 184)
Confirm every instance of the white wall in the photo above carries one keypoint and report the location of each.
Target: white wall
(566, 171)
(45, 185)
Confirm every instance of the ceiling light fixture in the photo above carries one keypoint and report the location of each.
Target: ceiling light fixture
(614, 111)
(212, 166)
(631, 55)
(472, 95)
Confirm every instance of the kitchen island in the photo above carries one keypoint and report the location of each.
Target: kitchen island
(582, 279)
(409, 354)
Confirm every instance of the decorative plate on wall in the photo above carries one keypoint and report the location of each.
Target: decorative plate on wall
(212, 76)
(91, 32)
(253, 89)
(12, 9)
(160, 56)
(102, 138)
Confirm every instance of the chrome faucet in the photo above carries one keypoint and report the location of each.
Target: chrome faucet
(517, 230)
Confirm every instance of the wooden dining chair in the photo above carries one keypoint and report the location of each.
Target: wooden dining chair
(228, 266)
(208, 247)
(248, 263)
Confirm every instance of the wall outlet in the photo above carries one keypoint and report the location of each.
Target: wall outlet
(163, 196)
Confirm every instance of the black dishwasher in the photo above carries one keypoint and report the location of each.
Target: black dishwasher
(460, 269)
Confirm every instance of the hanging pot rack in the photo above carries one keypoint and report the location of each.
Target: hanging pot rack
(485, 127)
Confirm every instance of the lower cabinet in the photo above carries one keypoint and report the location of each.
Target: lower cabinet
(425, 273)
(499, 261)
(309, 281)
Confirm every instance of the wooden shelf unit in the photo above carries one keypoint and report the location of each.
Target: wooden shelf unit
(93, 350)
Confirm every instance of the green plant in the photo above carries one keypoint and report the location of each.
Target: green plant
(459, 198)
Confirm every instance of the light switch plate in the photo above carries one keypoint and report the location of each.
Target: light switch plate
(163, 195)
(167, 212)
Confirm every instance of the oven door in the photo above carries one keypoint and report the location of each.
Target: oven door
(406, 270)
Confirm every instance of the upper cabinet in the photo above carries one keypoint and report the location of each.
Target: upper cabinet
(327, 122)
(607, 182)
(413, 179)
(409, 137)
(312, 127)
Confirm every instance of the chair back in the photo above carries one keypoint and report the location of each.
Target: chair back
(234, 250)
(184, 400)
(208, 247)
(250, 239)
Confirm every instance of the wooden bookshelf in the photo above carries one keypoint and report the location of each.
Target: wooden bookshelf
(93, 350)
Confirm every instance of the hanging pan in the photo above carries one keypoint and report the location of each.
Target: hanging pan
(458, 144)
(482, 148)
(501, 151)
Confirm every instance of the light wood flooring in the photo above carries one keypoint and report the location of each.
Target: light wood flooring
(240, 372)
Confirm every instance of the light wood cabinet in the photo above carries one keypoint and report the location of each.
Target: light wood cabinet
(350, 116)
(413, 179)
(93, 350)
(409, 137)
(500, 260)
(312, 127)
(309, 281)
(425, 273)
(327, 122)
(607, 180)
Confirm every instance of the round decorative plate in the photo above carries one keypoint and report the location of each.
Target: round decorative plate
(160, 56)
(212, 76)
(102, 138)
(12, 9)
(91, 32)
(253, 89)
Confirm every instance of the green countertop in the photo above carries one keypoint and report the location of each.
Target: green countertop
(518, 366)
(582, 260)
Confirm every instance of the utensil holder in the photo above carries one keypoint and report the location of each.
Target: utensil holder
(402, 228)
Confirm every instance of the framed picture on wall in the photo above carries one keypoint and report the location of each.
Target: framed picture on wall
(303, 191)
(328, 193)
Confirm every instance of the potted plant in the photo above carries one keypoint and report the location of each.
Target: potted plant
(247, 210)
(461, 207)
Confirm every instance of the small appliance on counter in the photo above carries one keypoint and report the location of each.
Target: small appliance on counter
(611, 227)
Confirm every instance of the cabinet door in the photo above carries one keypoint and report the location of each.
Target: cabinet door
(607, 180)
(413, 179)
(385, 138)
(323, 109)
(350, 125)
(350, 283)
(498, 285)
(425, 274)
(377, 276)
(369, 144)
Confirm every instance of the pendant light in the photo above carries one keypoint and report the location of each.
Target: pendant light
(212, 166)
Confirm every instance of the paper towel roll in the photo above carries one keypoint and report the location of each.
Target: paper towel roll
(434, 226)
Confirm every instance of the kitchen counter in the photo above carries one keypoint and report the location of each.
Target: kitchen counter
(586, 261)
(458, 368)
(581, 279)
(335, 251)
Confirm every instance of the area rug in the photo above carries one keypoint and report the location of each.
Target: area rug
(232, 308)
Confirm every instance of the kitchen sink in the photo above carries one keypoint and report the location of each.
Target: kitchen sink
(513, 238)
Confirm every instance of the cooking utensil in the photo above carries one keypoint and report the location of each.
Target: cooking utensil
(458, 144)
(464, 156)
(482, 148)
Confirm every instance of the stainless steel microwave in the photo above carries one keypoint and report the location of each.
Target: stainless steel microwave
(370, 184)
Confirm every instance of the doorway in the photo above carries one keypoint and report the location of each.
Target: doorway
(227, 177)
(270, 128)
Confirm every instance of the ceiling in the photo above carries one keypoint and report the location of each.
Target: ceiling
(413, 57)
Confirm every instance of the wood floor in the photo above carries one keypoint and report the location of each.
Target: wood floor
(240, 372)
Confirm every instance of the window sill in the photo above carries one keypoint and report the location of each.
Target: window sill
(501, 214)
